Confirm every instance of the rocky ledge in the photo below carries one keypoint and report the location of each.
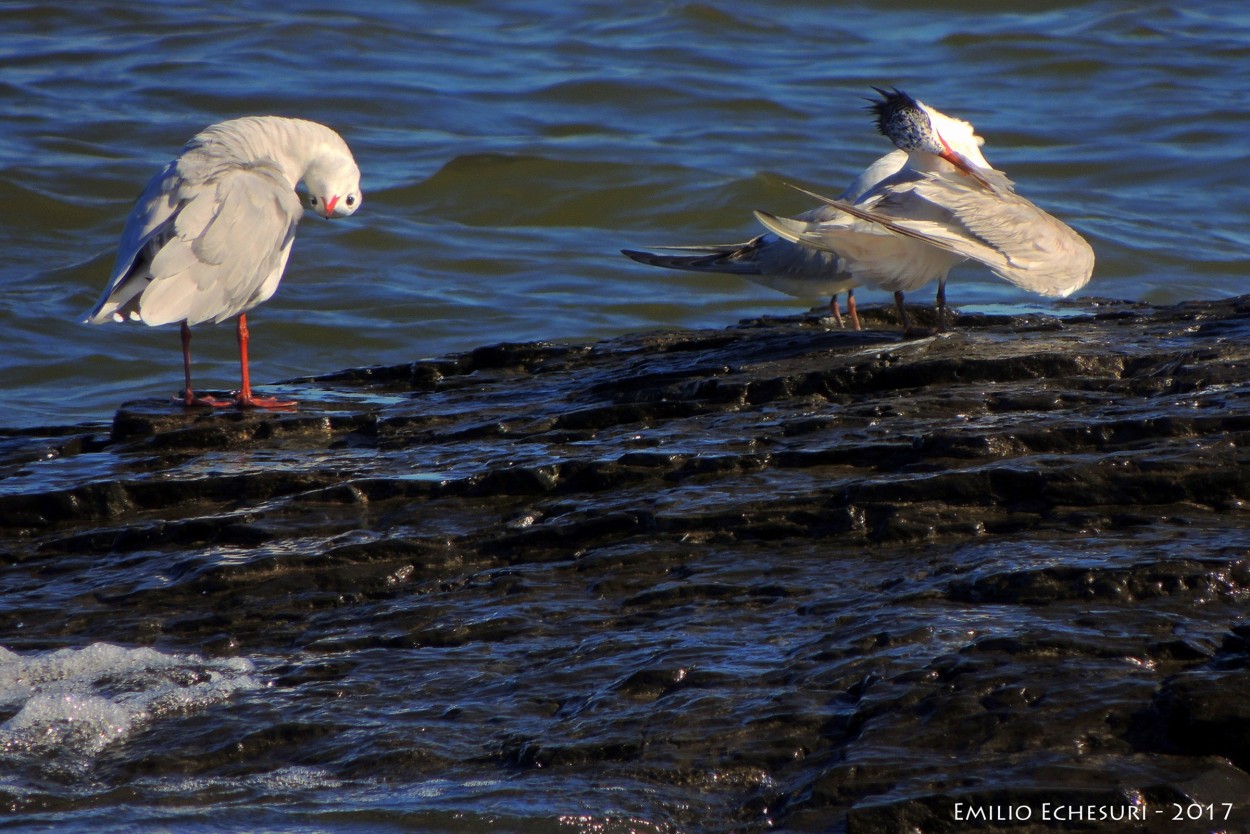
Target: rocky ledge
(888, 583)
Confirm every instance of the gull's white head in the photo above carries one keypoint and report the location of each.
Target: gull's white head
(913, 125)
(333, 183)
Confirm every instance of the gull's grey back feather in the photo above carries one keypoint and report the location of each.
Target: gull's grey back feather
(229, 239)
(141, 234)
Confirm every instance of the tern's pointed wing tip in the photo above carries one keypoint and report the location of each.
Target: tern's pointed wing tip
(765, 217)
(785, 227)
(639, 256)
(829, 201)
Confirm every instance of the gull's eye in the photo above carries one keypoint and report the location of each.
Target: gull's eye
(351, 199)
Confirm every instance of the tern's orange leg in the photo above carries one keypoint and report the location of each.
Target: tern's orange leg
(941, 307)
(850, 308)
(837, 314)
(244, 399)
(902, 312)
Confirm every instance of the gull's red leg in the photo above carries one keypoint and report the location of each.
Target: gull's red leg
(186, 360)
(245, 398)
(188, 397)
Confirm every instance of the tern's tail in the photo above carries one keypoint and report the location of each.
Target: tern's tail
(735, 259)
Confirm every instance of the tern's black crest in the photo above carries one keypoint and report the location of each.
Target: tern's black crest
(900, 119)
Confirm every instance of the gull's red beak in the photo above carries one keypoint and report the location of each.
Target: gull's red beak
(330, 204)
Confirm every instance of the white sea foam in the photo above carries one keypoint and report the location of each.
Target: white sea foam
(66, 706)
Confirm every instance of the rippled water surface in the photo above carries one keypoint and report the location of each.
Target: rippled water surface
(510, 149)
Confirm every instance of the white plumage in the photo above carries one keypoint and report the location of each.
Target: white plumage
(1013, 237)
(945, 205)
(210, 236)
(906, 221)
(784, 265)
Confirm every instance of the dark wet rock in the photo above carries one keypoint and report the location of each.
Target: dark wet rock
(1051, 584)
(776, 575)
(1205, 709)
(1208, 713)
(252, 753)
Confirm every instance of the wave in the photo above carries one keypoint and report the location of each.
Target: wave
(67, 706)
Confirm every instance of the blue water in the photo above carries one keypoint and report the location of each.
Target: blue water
(509, 149)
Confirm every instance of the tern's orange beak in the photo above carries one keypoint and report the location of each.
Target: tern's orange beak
(961, 162)
(330, 203)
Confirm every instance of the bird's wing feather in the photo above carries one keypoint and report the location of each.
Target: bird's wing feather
(730, 259)
(152, 211)
(929, 231)
(853, 243)
(146, 225)
(789, 262)
(801, 271)
(880, 170)
(230, 235)
(1013, 237)
(720, 248)
(1027, 246)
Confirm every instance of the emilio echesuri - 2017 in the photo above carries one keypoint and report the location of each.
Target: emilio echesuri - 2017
(1048, 812)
